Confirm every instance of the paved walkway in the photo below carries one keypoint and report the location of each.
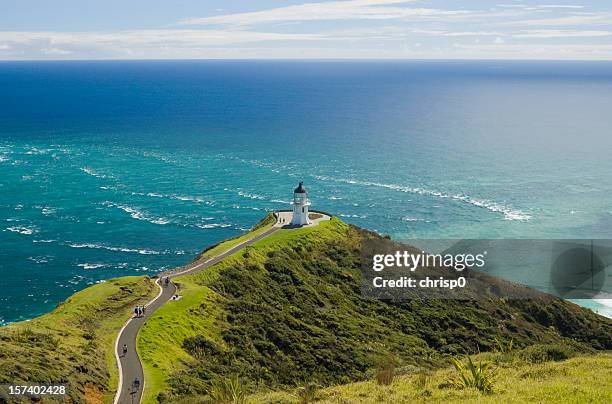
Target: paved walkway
(130, 367)
(285, 216)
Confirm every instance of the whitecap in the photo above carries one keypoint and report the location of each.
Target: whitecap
(139, 215)
(251, 196)
(22, 230)
(412, 219)
(213, 225)
(117, 249)
(91, 266)
(93, 173)
(39, 260)
(508, 212)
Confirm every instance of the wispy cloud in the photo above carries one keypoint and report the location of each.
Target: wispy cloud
(326, 11)
(585, 19)
(344, 28)
(553, 33)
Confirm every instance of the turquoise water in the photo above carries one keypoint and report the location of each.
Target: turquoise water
(118, 168)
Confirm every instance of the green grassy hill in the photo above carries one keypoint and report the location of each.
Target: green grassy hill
(583, 379)
(74, 344)
(288, 311)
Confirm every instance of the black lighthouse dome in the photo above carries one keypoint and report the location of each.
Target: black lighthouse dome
(300, 189)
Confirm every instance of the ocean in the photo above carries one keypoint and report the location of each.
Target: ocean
(128, 168)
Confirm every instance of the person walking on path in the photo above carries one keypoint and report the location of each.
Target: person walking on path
(125, 349)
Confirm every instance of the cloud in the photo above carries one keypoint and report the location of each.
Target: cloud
(601, 18)
(540, 7)
(325, 11)
(56, 52)
(560, 6)
(552, 33)
(179, 37)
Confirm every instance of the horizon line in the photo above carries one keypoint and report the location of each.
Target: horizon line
(322, 59)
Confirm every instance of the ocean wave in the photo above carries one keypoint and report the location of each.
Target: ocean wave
(22, 230)
(93, 173)
(412, 219)
(137, 214)
(251, 196)
(44, 241)
(39, 260)
(508, 212)
(280, 201)
(4, 158)
(141, 251)
(45, 210)
(91, 266)
(184, 198)
(236, 206)
(352, 216)
(212, 225)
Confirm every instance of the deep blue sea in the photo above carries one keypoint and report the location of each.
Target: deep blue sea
(119, 168)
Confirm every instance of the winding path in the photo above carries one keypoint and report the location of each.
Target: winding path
(130, 366)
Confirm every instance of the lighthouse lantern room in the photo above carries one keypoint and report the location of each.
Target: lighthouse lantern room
(300, 206)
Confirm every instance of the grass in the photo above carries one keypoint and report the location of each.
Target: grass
(75, 342)
(219, 248)
(197, 313)
(288, 311)
(583, 379)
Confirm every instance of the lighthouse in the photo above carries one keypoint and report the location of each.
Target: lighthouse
(300, 206)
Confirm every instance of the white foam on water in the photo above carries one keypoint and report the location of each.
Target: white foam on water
(141, 251)
(22, 230)
(412, 219)
(508, 212)
(138, 215)
(213, 225)
(251, 196)
(93, 173)
(91, 266)
(352, 216)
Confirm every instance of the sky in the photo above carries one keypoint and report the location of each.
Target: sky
(288, 29)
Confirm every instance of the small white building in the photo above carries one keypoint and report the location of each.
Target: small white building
(300, 206)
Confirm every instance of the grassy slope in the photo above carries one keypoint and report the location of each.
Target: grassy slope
(75, 342)
(288, 310)
(160, 340)
(584, 379)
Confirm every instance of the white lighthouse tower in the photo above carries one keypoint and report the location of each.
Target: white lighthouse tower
(300, 206)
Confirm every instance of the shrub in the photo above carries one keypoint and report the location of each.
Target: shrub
(476, 376)
(386, 370)
(502, 346)
(544, 353)
(307, 393)
(228, 391)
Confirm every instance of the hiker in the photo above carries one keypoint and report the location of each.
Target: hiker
(167, 281)
(124, 349)
(144, 308)
(136, 383)
(136, 311)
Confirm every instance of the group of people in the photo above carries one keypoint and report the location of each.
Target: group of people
(139, 311)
